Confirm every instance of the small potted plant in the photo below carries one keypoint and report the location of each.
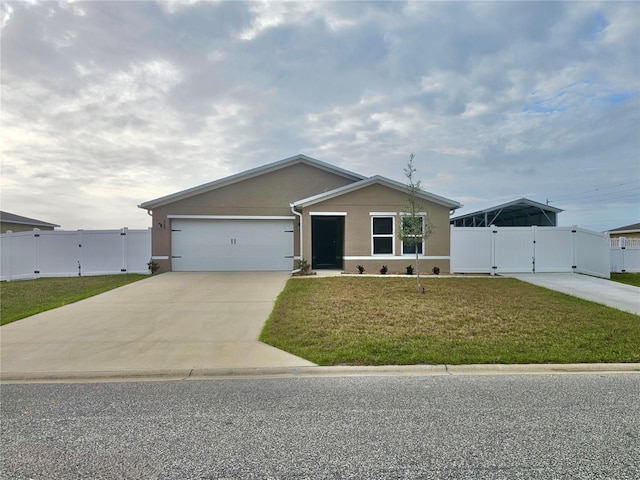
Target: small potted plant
(384, 270)
(409, 269)
(436, 270)
(360, 269)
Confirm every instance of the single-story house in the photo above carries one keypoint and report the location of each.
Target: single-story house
(297, 208)
(517, 213)
(628, 231)
(17, 223)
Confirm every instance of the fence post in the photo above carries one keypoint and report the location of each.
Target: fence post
(36, 252)
(533, 257)
(574, 233)
(123, 235)
(9, 245)
(623, 249)
(493, 232)
(80, 252)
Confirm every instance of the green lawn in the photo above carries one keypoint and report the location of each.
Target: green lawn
(377, 321)
(22, 298)
(628, 278)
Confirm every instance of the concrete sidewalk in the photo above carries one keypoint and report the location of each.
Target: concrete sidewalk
(174, 321)
(599, 290)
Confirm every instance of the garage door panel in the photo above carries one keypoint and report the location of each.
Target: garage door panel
(231, 245)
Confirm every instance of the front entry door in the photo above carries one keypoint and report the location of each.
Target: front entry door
(327, 242)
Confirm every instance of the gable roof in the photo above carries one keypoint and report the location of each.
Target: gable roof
(375, 180)
(521, 207)
(633, 228)
(6, 217)
(254, 172)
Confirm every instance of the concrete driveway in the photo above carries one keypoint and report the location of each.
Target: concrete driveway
(170, 322)
(599, 290)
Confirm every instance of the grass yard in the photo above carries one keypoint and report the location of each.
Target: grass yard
(628, 278)
(23, 298)
(378, 321)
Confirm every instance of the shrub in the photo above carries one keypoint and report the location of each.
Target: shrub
(304, 266)
(153, 266)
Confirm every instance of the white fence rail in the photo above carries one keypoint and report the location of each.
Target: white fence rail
(60, 253)
(493, 250)
(625, 255)
(497, 250)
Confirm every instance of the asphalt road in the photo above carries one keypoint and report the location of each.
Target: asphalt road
(444, 427)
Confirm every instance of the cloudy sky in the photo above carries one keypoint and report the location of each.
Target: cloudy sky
(105, 105)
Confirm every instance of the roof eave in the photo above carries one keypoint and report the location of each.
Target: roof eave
(31, 224)
(634, 227)
(306, 202)
(7, 217)
(622, 232)
(246, 175)
(531, 203)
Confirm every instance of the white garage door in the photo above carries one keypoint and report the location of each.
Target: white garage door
(231, 245)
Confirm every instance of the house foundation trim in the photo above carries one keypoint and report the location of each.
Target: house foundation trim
(328, 214)
(234, 217)
(397, 257)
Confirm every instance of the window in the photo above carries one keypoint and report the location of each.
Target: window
(382, 235)
(415, 230)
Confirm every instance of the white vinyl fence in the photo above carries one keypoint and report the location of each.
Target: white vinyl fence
(497, 250)
(625, 255)
(60, 253)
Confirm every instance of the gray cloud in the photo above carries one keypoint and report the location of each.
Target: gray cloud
(109, 104)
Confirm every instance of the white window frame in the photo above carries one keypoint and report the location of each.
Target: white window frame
(423, 215)
(391, 235)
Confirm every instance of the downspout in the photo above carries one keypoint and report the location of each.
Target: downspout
(299, 215)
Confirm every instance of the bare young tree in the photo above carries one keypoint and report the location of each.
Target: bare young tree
(415, 225)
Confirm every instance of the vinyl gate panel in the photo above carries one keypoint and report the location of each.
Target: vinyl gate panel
(553, 250)
(514, 250)
(231, 245)
(593, 254)
(59, 252)
(19, 256)
(99, 252)
(471, 250)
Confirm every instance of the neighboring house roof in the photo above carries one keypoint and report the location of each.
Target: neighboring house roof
(305, 202)
(633, 228)
(516, 209)
(6, 217)
(247, 175)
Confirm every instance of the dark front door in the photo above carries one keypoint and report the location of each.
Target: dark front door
(327, 241)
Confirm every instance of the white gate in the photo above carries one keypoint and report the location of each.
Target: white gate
(62, 253)
(513, 249)
(497, 250)
(554, 249)
(625, 255)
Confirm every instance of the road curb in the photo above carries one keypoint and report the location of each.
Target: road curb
(544, 369)
(317, 371)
